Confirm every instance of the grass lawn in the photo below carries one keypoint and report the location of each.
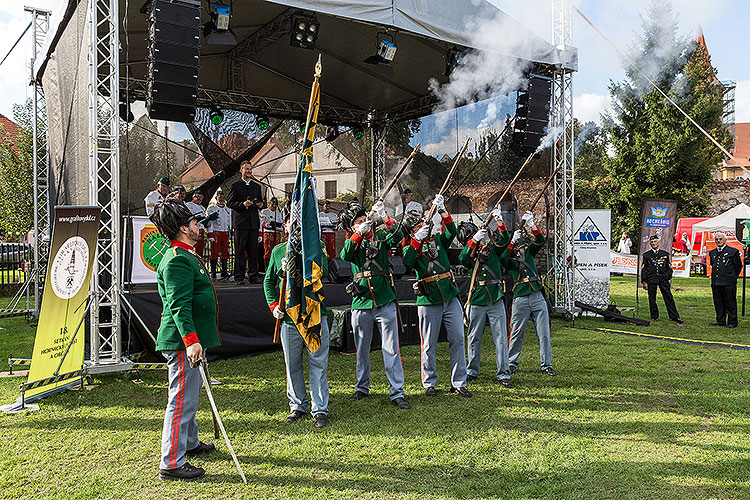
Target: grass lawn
(627, 418)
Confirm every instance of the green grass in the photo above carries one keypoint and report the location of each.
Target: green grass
(628, 418)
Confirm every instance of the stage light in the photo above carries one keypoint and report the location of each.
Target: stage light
(217, 31)
(384, 53)
(332, 132)
(452, 59)
(305, 28)
(262, 121)
(216, 116)
(358, 132)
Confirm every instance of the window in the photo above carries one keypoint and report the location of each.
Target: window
(289, 188)
(331, 190)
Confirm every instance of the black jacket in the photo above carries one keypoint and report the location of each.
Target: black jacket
(239, 193)
(656, 268)
(726, 266)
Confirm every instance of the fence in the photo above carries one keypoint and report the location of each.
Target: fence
(15, 267)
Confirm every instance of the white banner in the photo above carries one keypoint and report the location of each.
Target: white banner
(148, 248)
(628, 264)
(591, 242)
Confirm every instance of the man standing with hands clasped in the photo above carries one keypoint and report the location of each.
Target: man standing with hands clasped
(726, 267)
(656, 273)
(188, 326)
(245, 198)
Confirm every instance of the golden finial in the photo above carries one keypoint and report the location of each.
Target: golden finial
(318, 67)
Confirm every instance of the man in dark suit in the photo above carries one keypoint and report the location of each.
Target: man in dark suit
(726, 266)
(656, 273)
(245, 199)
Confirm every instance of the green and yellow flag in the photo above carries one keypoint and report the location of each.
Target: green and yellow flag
(304, 288)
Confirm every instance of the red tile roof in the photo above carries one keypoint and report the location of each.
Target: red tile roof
(10, 128)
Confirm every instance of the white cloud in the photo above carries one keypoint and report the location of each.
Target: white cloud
(448, 144)
(742, 102)
(589, 107)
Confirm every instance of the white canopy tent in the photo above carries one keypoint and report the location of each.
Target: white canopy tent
(724, 222)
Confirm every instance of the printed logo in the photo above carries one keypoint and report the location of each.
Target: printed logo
(153, 247)
(589, 232)
(659, 211)
(69, 267)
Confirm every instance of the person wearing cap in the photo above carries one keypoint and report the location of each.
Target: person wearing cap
(412, 207)
(437, 296)
(272, 227)
(157, 195)
(482, 251)
(528, 301)
(188, 327)
(373, 296)
(656, 274)
(195, 205)
(246, 199)
(726, 266)
(328, 221)
(179, 193)
(219, 226)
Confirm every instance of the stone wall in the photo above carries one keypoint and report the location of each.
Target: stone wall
(726, 194)
(484, 196)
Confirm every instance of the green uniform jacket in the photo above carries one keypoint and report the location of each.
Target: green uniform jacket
(190, 311)
(437, 291)
(377, 291)
(518, 272)
(487, 294)
(274, 274)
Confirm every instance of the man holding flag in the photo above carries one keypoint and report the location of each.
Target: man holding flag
(300, 266)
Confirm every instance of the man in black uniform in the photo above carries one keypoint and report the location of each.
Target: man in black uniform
(245, 198)
(726, 266)
(656, 273)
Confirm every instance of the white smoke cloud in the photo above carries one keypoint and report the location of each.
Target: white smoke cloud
(447, 143)
(590, 107)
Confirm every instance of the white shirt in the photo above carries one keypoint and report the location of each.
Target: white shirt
(224, 223)
(196, 210)
(624, 246)
(267, 216)
(151, 200)
(328, 222)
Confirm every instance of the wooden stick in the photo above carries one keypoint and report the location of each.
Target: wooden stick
(282, 305)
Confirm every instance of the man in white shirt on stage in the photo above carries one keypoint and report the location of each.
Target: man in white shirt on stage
(157, 195)
(328, 221)
(272, 227)
(219, 231)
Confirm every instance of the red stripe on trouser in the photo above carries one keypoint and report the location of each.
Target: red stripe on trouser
(421, 348)
(179, 403)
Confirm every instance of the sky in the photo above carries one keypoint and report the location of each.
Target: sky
(724, 23)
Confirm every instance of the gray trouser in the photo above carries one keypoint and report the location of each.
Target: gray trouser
(478, 316)
(535, 307)
(317, 365)
(430, 318)
(180, 431)
(386, 317)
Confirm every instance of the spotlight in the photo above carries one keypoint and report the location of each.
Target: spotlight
(358, 132)
(216, 116)
(332, 132)
(453, 58)
(384, 53)
(217, 31)
(305, 29)
(262, 121)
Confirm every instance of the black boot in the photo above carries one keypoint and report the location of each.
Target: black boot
(224, 273)
(213, 269)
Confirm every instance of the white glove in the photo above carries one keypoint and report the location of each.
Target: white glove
(379, 208)
(517, 237)
(480, 236)
(422, 233)
(211, 239)
(278, 313)
(439, 202)
(284, 264)
(497, 214)
(363, 228)
(528, 218)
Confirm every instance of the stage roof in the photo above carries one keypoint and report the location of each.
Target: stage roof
(275, 77)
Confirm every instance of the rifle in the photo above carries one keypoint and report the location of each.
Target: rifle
(431, 212)
(399, 173)
(541, 193)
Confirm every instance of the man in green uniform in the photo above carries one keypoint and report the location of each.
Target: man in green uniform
(188, 327)
(528, 301)
(437, 297)
(486, 300)
(373, 297)
(294, 346)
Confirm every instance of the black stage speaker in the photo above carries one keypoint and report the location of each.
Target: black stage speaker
(174, 55)
(532, 115)
(339, 271)
(398, 269)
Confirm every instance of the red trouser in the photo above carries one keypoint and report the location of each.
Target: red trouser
(221, 245)
(201, 244)
(270, 240)
(330, 240)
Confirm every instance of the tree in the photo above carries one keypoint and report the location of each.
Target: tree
(658, 152)
(17, 176)
(591, 163)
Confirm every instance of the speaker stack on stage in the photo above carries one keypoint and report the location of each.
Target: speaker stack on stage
(174, 55)
(532, 115)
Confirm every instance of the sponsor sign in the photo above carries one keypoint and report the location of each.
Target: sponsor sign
(658, 217)
(628, 264)
(150, 247)
(591, 244)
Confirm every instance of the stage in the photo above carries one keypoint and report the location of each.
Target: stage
(246, 324)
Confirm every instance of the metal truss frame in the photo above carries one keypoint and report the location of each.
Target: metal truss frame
(563, 158)
(377, 152)
(40, 157)
(104, 186)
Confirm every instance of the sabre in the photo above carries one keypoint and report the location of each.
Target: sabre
(207, 384)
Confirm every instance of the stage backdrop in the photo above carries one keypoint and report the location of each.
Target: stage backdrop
(591, 242)
(149, 247)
